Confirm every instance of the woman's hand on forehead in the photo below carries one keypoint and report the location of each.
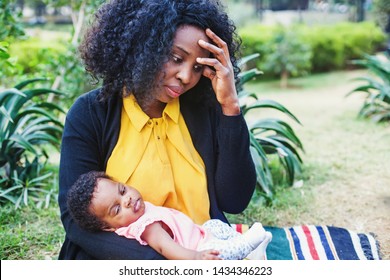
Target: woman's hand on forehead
(220, 72)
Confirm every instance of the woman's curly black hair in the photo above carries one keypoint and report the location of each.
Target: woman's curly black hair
(130, 40)
(79, 201)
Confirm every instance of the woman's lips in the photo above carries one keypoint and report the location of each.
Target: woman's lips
(174, 91)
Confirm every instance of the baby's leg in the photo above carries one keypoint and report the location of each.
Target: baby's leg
(231, 244)
(229, 249)
(220, 229)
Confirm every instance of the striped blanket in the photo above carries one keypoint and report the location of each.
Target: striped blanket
(309, 242)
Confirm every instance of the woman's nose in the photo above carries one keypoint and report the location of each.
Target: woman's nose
(184, 75)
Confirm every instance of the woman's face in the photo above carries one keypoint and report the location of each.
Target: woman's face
(182, 72)
(116, 204)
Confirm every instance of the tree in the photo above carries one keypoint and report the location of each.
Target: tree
(10, 25)
(382, 14)
(288, 55)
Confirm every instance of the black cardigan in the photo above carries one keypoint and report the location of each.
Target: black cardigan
(90, 134)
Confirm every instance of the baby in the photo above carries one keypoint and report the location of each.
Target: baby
(96, 202)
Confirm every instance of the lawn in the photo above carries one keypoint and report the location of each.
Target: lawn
(30, 233)
(346, 176)
(343, 183)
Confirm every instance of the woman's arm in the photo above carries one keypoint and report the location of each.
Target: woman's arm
(162, 242)
(81, 151)
(235, 174)
(223, 143)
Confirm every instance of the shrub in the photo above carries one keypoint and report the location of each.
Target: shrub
(269, 136)
(28, 125)
(333, 46)
(288, 55)
(34, 55)
(9, 21)
(382, 12)
(327, 48)
(377, 87)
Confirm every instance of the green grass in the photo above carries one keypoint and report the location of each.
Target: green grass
(338, 146)
(307, 83)
(30, 233)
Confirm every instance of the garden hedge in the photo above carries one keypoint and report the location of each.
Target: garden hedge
(333, 46)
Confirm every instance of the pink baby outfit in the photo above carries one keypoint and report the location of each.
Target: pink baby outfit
(213, 234)
(185, 231)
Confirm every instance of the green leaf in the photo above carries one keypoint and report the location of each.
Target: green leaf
(23, 143)
(38, 180)
(10, 92)
(278, 126)
(249, 75)
(264, 179)
(27, 82)
(6, 115)
(267, 103)
(247, 58)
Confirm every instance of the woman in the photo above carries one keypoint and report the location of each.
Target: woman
(166, 118)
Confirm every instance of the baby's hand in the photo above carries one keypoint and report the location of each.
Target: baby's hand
(207, 255)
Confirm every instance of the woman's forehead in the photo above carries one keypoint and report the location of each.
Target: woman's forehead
(187, 38)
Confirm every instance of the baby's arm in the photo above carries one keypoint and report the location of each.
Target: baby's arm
(162, 242)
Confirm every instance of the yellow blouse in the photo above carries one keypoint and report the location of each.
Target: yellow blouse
(157, 157)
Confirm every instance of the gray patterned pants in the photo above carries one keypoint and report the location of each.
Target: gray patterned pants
(230, 244)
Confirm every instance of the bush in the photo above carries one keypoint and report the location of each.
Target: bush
(333, 46)
(327, 48)
(288, 55)
(377, 87)
(34, 55)
(381, 13)
(27, 126)
(57, 61)
(269, 137)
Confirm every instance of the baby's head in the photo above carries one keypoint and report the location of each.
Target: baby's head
(96, 202)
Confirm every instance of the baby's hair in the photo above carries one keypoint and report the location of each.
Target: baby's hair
(79, 201)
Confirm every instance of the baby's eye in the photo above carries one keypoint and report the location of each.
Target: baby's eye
(122, 190)
(117, 209)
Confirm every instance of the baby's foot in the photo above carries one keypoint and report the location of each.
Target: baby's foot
(255, 235)
(260, 252)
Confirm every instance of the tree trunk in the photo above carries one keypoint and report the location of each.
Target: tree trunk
(284, 79)
(77, 20)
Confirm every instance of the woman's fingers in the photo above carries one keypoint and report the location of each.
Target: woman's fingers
(209, 73)
(219, 70)
(219, 53)
(220, 61)
(216, 66)
(222, 50)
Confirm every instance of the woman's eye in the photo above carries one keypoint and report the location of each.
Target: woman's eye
(176, 59)
(198, 68)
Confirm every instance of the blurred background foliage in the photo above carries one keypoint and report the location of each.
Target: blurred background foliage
(39, 39)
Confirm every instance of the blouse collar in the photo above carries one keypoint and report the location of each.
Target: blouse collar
(138, 117)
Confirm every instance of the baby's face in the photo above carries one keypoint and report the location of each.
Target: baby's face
(116, 204)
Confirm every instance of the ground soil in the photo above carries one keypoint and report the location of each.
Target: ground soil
(352, 188)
